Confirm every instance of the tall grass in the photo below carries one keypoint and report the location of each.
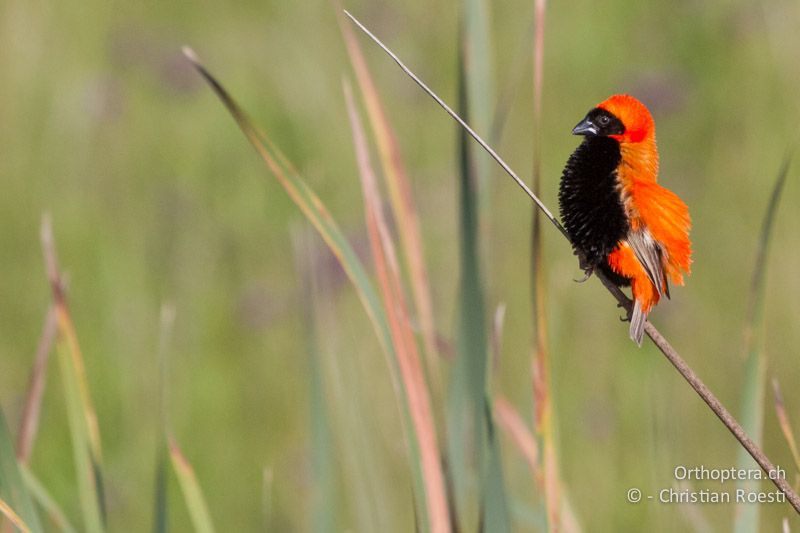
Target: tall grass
(451, 448)
(389, 317)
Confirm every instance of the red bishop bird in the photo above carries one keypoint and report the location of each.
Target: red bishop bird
(619, 219)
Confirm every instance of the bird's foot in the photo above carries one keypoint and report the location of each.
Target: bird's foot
(624, 318)
(587, 273)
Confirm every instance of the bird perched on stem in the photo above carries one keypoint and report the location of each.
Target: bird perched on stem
(618, 218)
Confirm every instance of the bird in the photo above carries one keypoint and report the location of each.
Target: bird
(617, 217)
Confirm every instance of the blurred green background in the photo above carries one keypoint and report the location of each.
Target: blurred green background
(156, 197)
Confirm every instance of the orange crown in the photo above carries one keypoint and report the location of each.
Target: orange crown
(638, 121)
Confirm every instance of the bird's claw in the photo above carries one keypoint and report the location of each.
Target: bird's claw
(587, 273)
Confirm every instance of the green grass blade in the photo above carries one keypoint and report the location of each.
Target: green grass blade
(465, 429)
(13, 490)
(160, 499)
(324, 499)
(192, 494)
(752, 420)
(41, 496)
(755, 310)
(85, 464)
(324, 502)
(753, 396)
(473, 460)
(496, 515)
(476, 46)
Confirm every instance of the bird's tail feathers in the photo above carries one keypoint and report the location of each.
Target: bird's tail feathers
(638, 318)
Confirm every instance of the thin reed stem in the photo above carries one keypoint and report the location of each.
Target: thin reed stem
(464, 125)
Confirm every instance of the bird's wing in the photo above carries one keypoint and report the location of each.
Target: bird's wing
(649, 253)
(666, 218)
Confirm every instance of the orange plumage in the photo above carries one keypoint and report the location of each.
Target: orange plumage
(618, 217)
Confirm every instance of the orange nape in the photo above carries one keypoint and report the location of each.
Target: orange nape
(633, 114)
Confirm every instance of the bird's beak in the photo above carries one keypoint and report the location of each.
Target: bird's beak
(585, 127)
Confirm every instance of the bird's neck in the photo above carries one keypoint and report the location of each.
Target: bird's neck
(639, 161)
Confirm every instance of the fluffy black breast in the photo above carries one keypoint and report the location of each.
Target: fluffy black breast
(591, 207)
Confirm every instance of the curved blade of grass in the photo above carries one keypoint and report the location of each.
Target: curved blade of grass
(17, 504)
(401, 198)
(40, 494)
(192, 494)
(80, 411)
(747, 516)
(755, 308)
(310, 205)
(411, 371)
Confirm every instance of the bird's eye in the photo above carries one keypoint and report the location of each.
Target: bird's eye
(604, 120)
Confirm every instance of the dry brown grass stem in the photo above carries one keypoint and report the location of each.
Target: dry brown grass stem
(29, 423)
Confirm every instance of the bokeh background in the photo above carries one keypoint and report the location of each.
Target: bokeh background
(156, 197)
